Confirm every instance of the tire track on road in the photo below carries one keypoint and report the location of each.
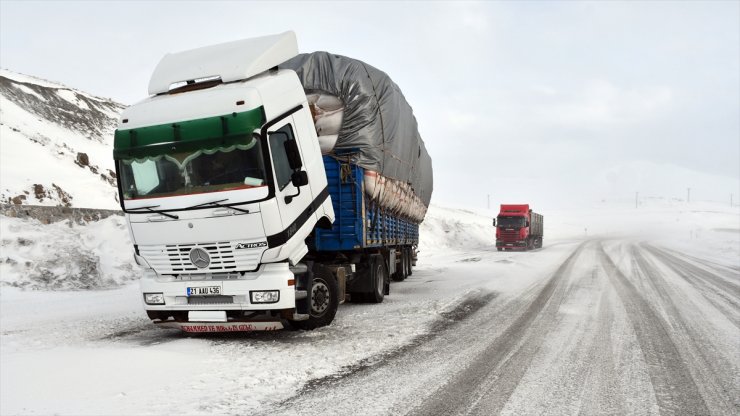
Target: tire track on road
(505, 360)
(711, 286)
(675, 389)
(603, 394)
(447, 320)
(412, 376)
(714, 371)
(731, 272)
(697, 272)
(575, 371)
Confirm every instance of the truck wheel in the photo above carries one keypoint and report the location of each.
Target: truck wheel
(499, 248)
(401, 271)
(378, 277)
(409, 262)
(324, 300)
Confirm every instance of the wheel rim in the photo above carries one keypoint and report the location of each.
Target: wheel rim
(319, 297)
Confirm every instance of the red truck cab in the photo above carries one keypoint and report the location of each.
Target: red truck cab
(518, 228)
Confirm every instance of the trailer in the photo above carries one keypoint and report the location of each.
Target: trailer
(246, 211)
(364, 232)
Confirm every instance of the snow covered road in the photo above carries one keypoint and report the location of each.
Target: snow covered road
(616, 328)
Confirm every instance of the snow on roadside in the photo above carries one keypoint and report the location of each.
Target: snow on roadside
(65, 255)
(447, 229)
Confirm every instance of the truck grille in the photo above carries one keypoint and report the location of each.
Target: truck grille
(509, 235)
(175, 258)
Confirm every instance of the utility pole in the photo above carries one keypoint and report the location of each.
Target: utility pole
(489, 201)
(688, 194)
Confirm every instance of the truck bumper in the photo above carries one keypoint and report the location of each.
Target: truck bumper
(246, 326)
(231, 300)
(513, 245)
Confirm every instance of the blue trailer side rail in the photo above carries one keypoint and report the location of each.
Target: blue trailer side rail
(358, 223)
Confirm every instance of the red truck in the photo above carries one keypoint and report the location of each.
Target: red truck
(518, 228)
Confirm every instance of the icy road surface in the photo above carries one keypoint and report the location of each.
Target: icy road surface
(616, 328)
(615, 324)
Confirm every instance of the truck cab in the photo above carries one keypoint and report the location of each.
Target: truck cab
(221, 179)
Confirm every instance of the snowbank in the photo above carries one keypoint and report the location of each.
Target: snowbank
(446, 229)
(65, 256)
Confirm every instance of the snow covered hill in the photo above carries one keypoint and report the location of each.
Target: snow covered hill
(55, 144)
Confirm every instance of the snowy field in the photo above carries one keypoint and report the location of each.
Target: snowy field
(75, 339)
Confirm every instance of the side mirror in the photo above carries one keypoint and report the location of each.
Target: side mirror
(299, 178)
(494, 222)
(294, 156)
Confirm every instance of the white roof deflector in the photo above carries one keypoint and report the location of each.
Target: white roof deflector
(230, 61)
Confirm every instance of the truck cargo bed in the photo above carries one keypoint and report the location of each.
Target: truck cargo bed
(359, 222)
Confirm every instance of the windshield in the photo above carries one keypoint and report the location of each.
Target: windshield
(511, 221)
(206, 170)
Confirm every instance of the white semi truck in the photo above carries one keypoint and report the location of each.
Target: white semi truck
(237, 218)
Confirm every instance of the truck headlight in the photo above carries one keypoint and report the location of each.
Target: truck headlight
(154, 298)
(264, 296)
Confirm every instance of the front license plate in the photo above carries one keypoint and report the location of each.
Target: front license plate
(223, 327)
(204, 290)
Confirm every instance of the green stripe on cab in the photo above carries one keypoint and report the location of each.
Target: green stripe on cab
(188, 135)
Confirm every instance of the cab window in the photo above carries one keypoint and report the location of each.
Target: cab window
(280, 162)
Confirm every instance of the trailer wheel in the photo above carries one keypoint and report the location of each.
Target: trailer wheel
(378, 277)
(324, 300)
(409, 262)
(402, 270)
(406, 263)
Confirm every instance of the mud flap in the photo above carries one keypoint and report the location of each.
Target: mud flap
(304, 282)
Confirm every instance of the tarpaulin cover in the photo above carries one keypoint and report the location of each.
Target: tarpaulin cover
(378, 121)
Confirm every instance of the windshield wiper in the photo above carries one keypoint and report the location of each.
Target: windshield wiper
(149, 208)
(218, 204)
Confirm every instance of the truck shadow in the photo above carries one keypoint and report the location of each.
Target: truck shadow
(148, 334)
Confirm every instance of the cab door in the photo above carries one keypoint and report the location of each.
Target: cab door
(293, 197)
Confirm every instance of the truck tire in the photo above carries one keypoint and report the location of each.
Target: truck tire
(402, 269)
(324, 300)
(378, 278)
(410, 262)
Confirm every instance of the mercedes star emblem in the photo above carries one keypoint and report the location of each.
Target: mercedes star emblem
(200, 258)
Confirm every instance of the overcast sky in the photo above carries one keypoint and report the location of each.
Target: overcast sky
(540, 102)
